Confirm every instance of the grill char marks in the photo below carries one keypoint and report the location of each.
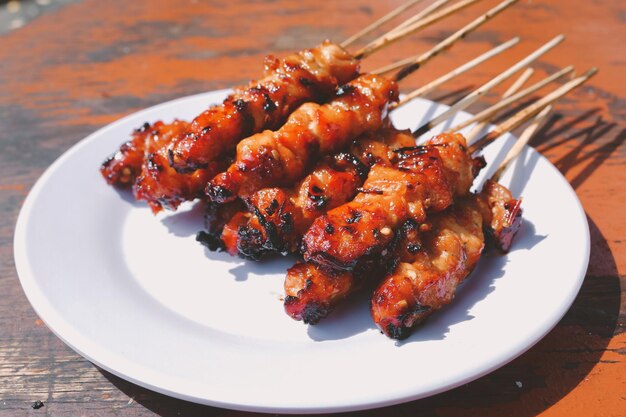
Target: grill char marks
(122, 167)
(215, 219)
(334, 181)
(426, 280)
(389, 225)
(309, 75)
(422, 283)
(198, 150)
(313, 292)
(283, 157)
(418, 182)
(307, 292)
(158, 183)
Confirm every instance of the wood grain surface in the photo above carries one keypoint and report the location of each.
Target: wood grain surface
(75, 70)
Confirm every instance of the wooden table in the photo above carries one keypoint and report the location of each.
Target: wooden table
(75, 70)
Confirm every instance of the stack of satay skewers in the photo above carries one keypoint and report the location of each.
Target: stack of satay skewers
(306, 161)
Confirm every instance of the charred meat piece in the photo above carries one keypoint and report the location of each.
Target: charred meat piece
(504, 213)
(309, 75)
(280, 216)
(312, 292)
(283, 157)
(216, 217)
(356, 235)
(158, 183)
(427, 281)
(122, 167)
(426, 178)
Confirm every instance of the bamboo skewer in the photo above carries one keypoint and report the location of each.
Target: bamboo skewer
(419, 60)
(393, 36)
(532, 109)
(375, 25)
(419, 21)
(482, 123)
(482, 90)
(419, 16)
(519, 83)
(427, 88)
(520, 116)
(526, 135)
(493, 110)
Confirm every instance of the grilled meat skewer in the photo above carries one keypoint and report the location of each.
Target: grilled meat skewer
(141, 163)
(358, 235)
(311, 74)
(282, 157)
(278, 217)
(425, 281)
(426, 178)
(122, 168)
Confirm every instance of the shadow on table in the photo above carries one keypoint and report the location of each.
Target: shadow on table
(544, 374)
(552, 368)
(592, 146)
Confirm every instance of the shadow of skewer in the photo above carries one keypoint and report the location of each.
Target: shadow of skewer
(581, 153)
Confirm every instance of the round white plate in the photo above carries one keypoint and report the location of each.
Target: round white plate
(137, 295)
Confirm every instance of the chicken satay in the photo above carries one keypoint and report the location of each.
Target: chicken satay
(312, 289)
(503, 214)
(312, 292)
(427, 281)
(216, 217)
(426, 178)
(308, 75)
(446, 252)
(158, 183)
(122, 167)
(282, 157)
(280, 216)
(142, 163)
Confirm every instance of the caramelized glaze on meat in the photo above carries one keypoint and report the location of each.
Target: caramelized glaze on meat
(216, 217)
(423, 284)
(309, 75)
(311, 293)
(230, 234)
(282, 157)
(280, 216)
(448, 252)
(158, 183)
(504, 213)
(359, 240)
(426, 178)
(122, 167)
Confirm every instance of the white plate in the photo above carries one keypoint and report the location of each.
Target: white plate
(136, 295)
